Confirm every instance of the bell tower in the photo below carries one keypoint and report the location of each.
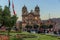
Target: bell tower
(37, 10)
(24, 13)
(37, 14)
(24, 10)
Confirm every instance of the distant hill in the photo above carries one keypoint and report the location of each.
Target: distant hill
(53, 19)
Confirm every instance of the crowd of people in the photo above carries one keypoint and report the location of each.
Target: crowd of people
(55, 29)
(43, 28)
(39, 29)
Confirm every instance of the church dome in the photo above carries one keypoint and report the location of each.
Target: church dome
(37, 7)
(24, 7)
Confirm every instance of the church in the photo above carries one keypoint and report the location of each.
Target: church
(32, 17)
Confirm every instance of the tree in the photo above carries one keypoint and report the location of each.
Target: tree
(0, 16)
(8, 20)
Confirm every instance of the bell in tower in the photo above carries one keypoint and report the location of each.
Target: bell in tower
(37, 10)
(24, 10)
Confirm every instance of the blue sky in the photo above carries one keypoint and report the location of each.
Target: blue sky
(46, 7)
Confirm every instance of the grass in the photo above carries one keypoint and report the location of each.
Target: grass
(39, 36)
(43, 37)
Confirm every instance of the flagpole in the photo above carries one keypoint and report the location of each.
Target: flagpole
(9, 4)
(13, 8)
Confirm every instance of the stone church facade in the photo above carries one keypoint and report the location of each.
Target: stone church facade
(32, 17)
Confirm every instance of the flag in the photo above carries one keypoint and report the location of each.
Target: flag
(13, 8)
(9, 3)
(14, 11)
(12, 5)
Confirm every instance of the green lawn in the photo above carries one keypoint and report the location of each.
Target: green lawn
(39, 36)
(44, 37)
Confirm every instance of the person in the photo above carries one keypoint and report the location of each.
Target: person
(41, 30)
(55, 32)
(33, 30)
(59, 31)
(29, 30)
(36, 27)
(56, 28)
(50, 27)
(15, 28)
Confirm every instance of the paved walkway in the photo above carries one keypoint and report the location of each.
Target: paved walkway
(52, 34)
